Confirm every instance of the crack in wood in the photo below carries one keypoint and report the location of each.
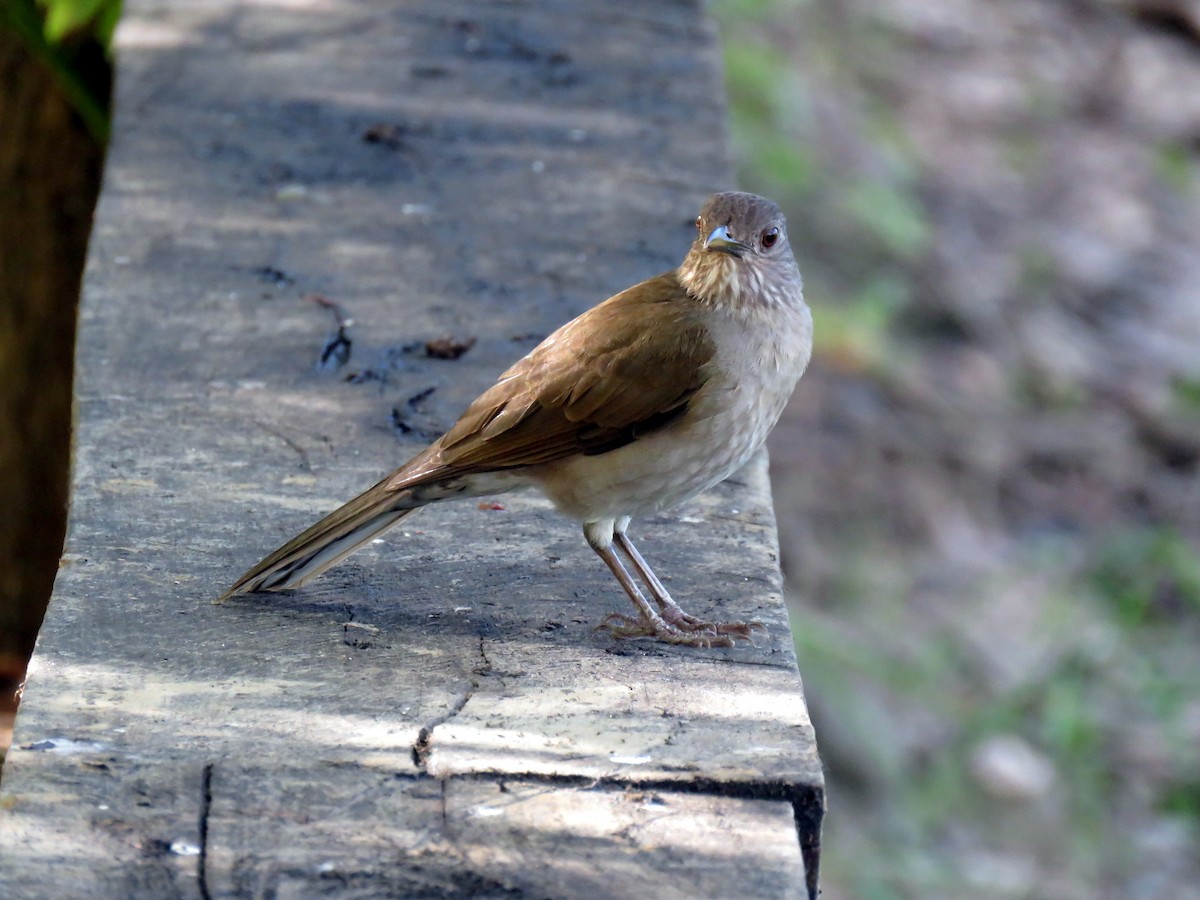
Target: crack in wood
(205, 809)
(807, 802)
(422, 747)
(445, 810)
(305, 464)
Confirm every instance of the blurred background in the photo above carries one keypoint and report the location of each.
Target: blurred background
(987, 485)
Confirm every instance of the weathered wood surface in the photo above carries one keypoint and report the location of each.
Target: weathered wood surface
(436, 716)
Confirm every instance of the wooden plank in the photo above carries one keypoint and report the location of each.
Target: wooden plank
(81, 819)
(482, 170)
(298, 833)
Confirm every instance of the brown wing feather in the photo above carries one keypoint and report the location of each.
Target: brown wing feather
(594, 385)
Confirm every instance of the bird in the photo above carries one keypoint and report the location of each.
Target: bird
(635, 406)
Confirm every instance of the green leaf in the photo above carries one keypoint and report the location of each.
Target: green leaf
(891, 214)
(43, 27)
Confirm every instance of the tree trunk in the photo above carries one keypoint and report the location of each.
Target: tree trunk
(49, 177)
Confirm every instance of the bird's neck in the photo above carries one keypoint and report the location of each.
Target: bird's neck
(721, 281)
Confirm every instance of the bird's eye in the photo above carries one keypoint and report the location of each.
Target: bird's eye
(769, 237)
(699, 224)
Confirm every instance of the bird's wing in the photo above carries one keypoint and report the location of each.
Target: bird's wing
(621, 370)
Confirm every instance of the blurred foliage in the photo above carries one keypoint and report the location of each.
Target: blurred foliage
(856, 334)
(1175, 166)
(890, 214)
(905, 804)
(877, 213)
(1109, 698)
(759, 100)
(62, 17)
(1187, 394)
(1148, 575)
(48, 28)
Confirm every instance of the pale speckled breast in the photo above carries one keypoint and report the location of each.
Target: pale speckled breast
(756, 367)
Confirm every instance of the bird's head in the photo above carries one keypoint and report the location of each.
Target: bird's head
(741, 256)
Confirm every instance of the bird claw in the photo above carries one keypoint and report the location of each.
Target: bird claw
(686, 630)
(687, 622)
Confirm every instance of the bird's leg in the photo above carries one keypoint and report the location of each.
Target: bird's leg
(648, 623)
(672, 612)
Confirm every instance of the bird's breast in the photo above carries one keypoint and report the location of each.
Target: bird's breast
(749, 380)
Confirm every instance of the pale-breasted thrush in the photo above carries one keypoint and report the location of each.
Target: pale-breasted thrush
(633, 407)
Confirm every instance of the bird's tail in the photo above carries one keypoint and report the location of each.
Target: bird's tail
(346, 529)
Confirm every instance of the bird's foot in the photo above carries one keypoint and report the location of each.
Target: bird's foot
(673, 614)
(691, 633)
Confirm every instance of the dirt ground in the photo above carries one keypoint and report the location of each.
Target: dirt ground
(987, 483)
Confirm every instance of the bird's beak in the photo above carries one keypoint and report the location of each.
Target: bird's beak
(720, 239)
